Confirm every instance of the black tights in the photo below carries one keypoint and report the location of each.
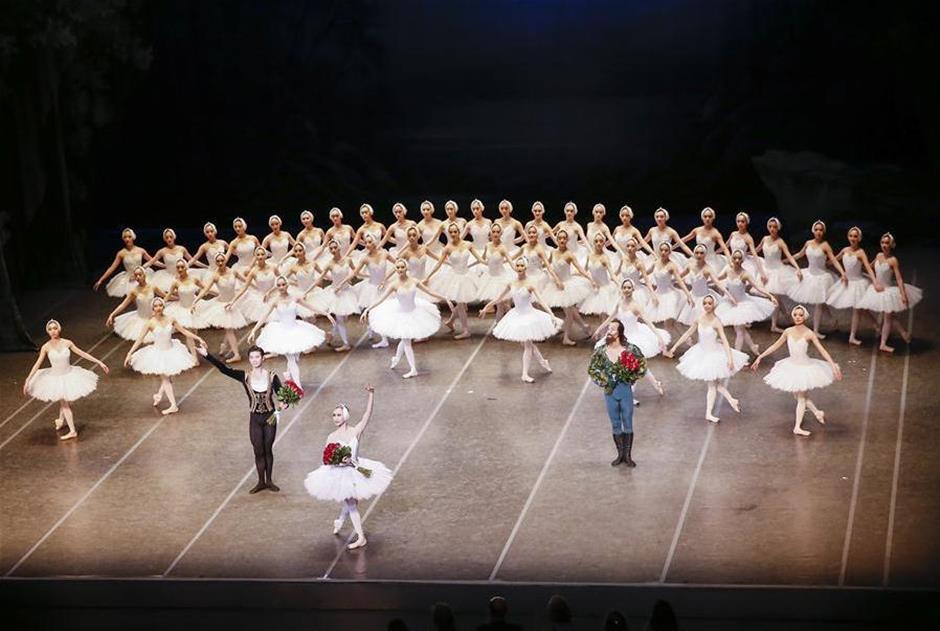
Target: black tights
(262, 442)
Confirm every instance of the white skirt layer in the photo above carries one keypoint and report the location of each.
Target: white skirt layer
(186, 318)
(317, 298)
(889, 300)
(343, 303)
(367, 294)
(151, 360)
(490, 287)
(577, 289)
(709, 363)
(780, 280)
(218, 317)
(847, 296)
(456, 287)
(669, 307)
(600, 301)
(792, 375)
(163, 279)
(749, 309)
(813, 289)
(533, 325)
(647, 339)
(122, 282)
(337, 483)
(390, 320)
(74, 384)
(129, 326)
(285, 339)
(690, 313)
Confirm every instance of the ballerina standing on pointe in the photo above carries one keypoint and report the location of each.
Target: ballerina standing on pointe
(496, 274)
(376, 263)
(743, 308)
(340, 297)
(524, 323)
(131, 257)
(407, 317)
(287, 335)
(896, 295)
(566, 290)
(799, 373)
(354, 478)
(61, 382)
(780, 277)
(261, 386)
(711, 359)
(165, 357)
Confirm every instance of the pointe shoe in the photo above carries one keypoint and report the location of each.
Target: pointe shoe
(170, 410)
(799, 431)
(337, 526)
(569, 342)
(59, 422)
(156, 399)
(755, 349)
(462, 336)
(410, 374)
(855, 341)
(69, 435)
(776, 329)
(273, 487)
(234, 359)
(820, 416)
(528, 379)
(394, 362)
(712, 418)
(659, 387)
(358, 543)
(545, 365)
(735, 405)
(342, 349)
(820, 335)
(260, 486)
(381, 344)
(884, 348)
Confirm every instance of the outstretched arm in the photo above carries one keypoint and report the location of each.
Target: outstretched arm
(770, 349)
(228, 371)
(367, 415)
(75, 349)
(120, 308)
(682, 338)
(109, 271)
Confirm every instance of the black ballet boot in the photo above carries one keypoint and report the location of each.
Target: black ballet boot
(618, 441)
(260, 486)
(627, 449)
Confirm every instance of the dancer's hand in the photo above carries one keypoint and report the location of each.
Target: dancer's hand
(369, 388)
(774, 300)
(127, 360)
(364, 316)
(104, 367)
(346, 461)
(109, 322)
(560, 285)
(96, 286)
(668, 353)
(594, 286)
(755, 364)
(837, 372)
(799, 275)
(904, 299)
(689, 300)
(202, 350)
(730, 363)
(228, 306)
(26, 389)
(845, 280)
(879, 286)
(251, 337)
(763, 279)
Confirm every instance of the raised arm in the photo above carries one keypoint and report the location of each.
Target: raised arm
(228, 371)
(367, 415)
(184, 331)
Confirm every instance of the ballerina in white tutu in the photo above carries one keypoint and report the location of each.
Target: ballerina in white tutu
(310, 236)
(62, 381)
(861, 276)
(130, 257)
(129, 325)
(743, 308)
(167, 256)
(286, 335)
(524, 323)
(354, 478)
(165, 356)
(577, 240)
(711, 359)
(536, 254)
(701, 277)
(709, 236)
(340, 232)
(223, 281)
(670, 290)
(259, 280)
(741, 239)
(662, 233)
(564, 289)
(543, 229)
(279, 243)
(456, 283)
(513, 231)
(799, 373)
(430, 228)
(497, 272)
(603, 294)
(780, 277)
(399, 313)
(478, 229)
(596, 227)
(340, 297)
(369, 226)
(210, 248)
(181, 304)
(626, 231)
(896, 295)
(242, 247)
(639, 331)
(814, 286)
(634, 269)
(397, 231)
(452, 215)
(376, 263)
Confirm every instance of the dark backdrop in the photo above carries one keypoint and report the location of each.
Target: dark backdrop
(178, 111)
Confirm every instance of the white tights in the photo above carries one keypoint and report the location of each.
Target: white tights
(351, 508)
(293, 367)
(404, 347)
(340, 329)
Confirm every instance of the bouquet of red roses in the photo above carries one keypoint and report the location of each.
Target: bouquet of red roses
(288, 394)
(629, 367)
(341, 456)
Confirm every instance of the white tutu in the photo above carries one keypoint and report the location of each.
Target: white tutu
(186, 318)
(456, 287)
(670, 305)
(794, 374)
(122, 282)
(889, 300)
(600, 301)
(342, 303)
(524, 323)
(641, 335)
(847, 296)
(707, 360)
(576, 289)
(490, 287)
(367, 294)
(748, 309)
(688, 313)
(405, 316)
(167, 360)
(129, 326)
(56, 384)
(338, 483)
(780, 279)
(164, 279)
(287, 338)
(217, 316)
(253, 306)
(813, 289)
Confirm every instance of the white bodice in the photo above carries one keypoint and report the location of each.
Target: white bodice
(342, 239)
(663, 281)
(226, 286)
(170, 259)
(287, 312)
(339, 273)
(59, 360)
(427, 238)
(459, 261)
(480, 234)
(311, 242)
(707, 241)
(817, 260)
(698, 283)
(376, 272)
(374, 229)
(627, 317)
(660, 237)
(508, 235)
(562, 269)
(187, 293)
(132, 261)
(353, 445)
(599, 275)
(543, 231)
(406, 298)
(305, 278)
(264, 280)
(279, 247)
(495, 264)
(772, 255)
(884, 274)
(736, 288)
(629, 270)
(575, 243)
(852, 265)
(798, 348)
(522, 300)
(144, 304)
(213, 250)
(417, 267)
(162, 334)
(400, 233)
(593, 230)
(708, 336)
(736, 242)
(244, 251)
